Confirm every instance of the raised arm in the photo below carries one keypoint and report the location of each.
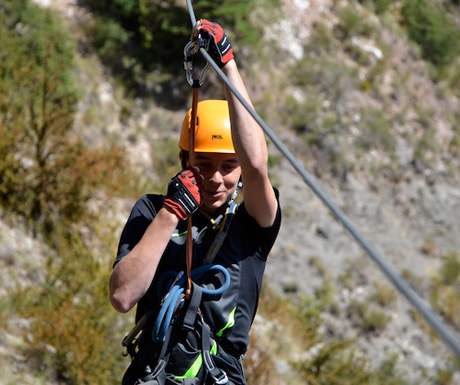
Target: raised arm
(248, 137)
(252, 153)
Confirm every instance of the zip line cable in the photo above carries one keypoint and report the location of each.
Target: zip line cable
(431, 317)
(190, 11)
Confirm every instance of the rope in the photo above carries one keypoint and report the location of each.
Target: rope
(398, 281)
(191, 160)
(174, 296)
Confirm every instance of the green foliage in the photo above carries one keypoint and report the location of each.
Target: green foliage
(379, 6)
(454, 144)
(337, 363)
(165, 157)
(445, 289)
(384, 295)
(332, 360)
(327, 359)
(48, 177)
(376, 131)
(444, 296)
(450, 269)
(260, 366)
(444, 377)
(72, 326)
(428, 247)
(353, 23)
(367, 316)
(145, 31)
(432, 30)
(135, 37)
(316, 112)
(45, 168)
(425, 147)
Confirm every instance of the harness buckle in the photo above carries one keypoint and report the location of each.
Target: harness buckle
(222, 380)
(190, 50)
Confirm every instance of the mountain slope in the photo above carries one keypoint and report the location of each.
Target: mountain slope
(352, 98)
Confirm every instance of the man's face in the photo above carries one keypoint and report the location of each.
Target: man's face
(221, 174)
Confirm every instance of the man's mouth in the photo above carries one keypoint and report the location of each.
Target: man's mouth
(214, 194)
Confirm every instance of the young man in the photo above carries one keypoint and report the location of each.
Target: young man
(229, 148)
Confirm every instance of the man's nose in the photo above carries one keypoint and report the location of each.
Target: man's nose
(216, 176)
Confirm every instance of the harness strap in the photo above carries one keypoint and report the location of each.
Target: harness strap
(218, 375)
(159, 373)
(220, 237)
(192, 309)
(159, 370)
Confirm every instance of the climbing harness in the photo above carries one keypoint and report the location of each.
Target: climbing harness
(179, 321)
(170, 302)
(185, 357)
(186, 339)
(174, 298)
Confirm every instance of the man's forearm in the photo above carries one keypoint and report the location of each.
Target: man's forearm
(248, 137)
(133, 275)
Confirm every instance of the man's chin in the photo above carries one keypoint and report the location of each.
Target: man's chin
(211, 207)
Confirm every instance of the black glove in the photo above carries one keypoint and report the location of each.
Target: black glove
(220, 48)
(184, 193)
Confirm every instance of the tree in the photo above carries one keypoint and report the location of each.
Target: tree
(432, 30)
(47, 172)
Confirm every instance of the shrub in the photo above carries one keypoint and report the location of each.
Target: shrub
(353, 23)
(336, 362)
(379, 6)
(320, 117)
(425, 148)
(432, 30)
(376, 131)
(135, 37)
(384, 295)
(445, 289)
(72, 332)
(46, 169)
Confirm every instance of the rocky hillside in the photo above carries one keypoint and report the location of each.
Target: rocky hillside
(412, 219)
(400, 188)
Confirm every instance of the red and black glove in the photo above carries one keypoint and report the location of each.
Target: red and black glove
(220, 48)
(184, 193)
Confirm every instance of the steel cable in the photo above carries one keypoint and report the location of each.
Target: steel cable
(431, 317)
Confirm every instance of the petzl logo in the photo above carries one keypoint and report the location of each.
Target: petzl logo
(217, 137)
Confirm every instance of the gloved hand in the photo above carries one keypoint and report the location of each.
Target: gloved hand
(220, 48)
(184, 193)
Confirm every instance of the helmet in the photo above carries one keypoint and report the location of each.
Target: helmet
(212, 128)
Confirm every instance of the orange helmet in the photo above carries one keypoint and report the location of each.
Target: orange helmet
(212, 128)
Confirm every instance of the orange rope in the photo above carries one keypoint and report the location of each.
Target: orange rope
(191, 159)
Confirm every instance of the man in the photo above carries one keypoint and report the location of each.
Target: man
(153, 240)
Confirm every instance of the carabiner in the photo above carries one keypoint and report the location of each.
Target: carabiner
(190, 50)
